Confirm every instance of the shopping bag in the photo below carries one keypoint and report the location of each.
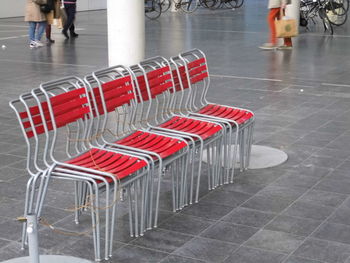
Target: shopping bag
(286, 27)
(58, 22)
(49, 18)
(63, 14)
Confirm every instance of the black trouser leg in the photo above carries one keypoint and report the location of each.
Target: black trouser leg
(70, 10)
(72, 28)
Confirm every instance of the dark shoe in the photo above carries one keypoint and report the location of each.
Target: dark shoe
(50, 41)
(65, 34)
(73, 34)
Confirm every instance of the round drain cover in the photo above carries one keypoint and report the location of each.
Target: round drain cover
(266, 157)
(261, 157)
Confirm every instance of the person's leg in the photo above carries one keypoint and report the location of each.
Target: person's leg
(72, 26)
(288, 42)
(48, 34)
(31, 31)
(70, 18)
(40, 31)
(273, 15)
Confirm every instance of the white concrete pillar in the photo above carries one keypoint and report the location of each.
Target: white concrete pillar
(126, 31)
(293, 10)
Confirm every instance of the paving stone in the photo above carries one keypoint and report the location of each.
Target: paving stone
(327, 162)
(208, 210)
(334, 232)
(302, 260)
(229, 232)
(162, 240)
(324, 198)
(244, 186)
(324, 251)
(275, 241)
(336, 186)
(267, 204)
(186, 224)
(277, 192)
(296, 180)
(340, 216)
(11, 229)
(250, 255)
(308, 210)
(293, 225)
(133, 254)
(249, 217)
(228, 198)
(177, 259)
(205, 249)
(13, 250)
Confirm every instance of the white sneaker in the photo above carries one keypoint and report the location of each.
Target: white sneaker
(268, 46)
(39, 44)
(284, 47)
(32, 44)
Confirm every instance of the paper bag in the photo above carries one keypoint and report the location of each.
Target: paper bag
(58, 22)
(49, 18)
(286, 28)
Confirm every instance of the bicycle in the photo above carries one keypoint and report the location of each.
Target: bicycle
(310, 10)
(331, 12)
(187, 6)
(337, 11)
(153, 9)
(227, 3)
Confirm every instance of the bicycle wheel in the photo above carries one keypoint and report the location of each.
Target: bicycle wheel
(230, 3)
(208, 3)
(216, 5)
(153, 9)
(338, 5)
(189, 6)
(337, 17)
(326, 24)
(165, 5)
(235, 3)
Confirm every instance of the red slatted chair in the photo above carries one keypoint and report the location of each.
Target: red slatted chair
(155, 84)
(113, 92)
(192, 70)
(51, 111)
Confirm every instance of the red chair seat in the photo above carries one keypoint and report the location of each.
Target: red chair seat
(201, 128)
(117, 164)
(238, 115)
(164, 146)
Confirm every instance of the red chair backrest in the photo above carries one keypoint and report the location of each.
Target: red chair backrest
(184, 82)
(198, 70)
(116, 93)
(37, 120)
(67, 108)
(159, 80)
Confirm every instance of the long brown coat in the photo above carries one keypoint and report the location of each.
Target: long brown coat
(32, 13)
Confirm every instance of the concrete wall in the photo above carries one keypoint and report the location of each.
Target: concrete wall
(13, 8)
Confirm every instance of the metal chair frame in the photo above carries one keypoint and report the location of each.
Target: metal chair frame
(197, 100)
(165, 113)
(105, 76)
(68, 171)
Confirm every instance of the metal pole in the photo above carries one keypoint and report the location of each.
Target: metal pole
(126, 31)
(32, 230)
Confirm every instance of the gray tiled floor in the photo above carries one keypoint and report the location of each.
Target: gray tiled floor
(295, 213)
